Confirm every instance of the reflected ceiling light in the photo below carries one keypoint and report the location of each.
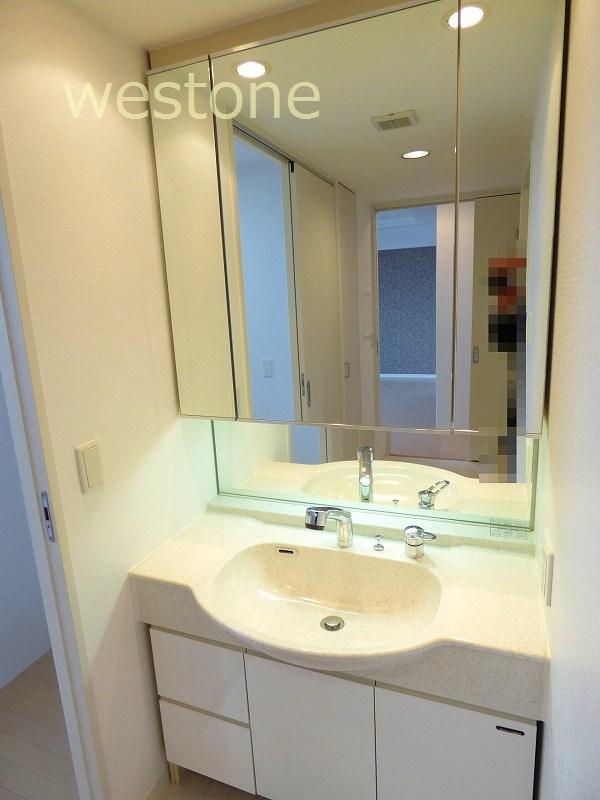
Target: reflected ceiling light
(469, 16)
(251, 69)
(416, 154)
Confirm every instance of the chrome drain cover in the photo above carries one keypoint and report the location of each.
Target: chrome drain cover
(332, 623)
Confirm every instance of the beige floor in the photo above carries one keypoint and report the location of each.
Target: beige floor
(35, 762)
(196, 787)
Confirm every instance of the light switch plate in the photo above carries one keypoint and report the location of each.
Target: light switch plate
(89, 465)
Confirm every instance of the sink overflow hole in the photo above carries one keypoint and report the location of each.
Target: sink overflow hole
(332, 623)
(286, 551)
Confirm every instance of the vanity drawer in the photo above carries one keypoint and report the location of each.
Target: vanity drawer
(199, 674)
(214, 747)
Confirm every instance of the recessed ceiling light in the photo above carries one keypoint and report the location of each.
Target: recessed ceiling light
(416, 154)
(251, 69)
(469, 16)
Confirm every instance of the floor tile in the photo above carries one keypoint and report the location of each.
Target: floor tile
(31, 687)
(199, 787)
(6, 767)
(57, 742)
(34, 785)
(34, 732)
(35, 761)
(6, 795)
(30, 707)
(42, 670)
(170, 792)
(31, 756)
(195, 781)
(219, 791)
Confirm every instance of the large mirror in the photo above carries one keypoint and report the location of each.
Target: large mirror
(342, 259)
(361, 292)
(309, 464)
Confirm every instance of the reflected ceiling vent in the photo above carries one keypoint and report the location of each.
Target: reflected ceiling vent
(393, 122)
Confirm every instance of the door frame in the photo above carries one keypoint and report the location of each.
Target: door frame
(20, 380)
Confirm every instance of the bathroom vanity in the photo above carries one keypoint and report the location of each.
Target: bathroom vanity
(369, 275)
(432, 687)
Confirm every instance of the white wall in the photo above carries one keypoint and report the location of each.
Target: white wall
(85, 202)
(244, 448)
(568, 512)
(23, 630)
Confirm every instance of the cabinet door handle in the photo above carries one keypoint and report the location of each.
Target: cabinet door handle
(514, 731)
(308, 392)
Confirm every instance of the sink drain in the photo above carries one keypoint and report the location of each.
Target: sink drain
(332, 623)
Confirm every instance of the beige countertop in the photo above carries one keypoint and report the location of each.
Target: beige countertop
(476, 635)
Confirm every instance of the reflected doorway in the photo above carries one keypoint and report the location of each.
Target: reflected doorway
(407, 257)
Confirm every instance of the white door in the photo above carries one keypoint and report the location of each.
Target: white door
(428, 750)
(317, 296)
(313, 735)
(349, 305)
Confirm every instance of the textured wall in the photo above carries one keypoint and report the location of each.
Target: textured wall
(23, 629)
(569, 504)
(407, 310)
(85, 200)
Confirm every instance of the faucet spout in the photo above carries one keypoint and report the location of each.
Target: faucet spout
(317, 516)
(365, 473)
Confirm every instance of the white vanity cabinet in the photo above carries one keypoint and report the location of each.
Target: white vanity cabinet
(313, 734)
(289, 733)
(204, 708)
(429, 750)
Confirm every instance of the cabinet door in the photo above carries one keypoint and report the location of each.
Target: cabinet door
(313, 735)
(199, 674)
(209, 745)
(186, 167)
(432, 751)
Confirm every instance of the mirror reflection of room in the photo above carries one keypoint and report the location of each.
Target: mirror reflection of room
(320, 266)
(407, 249)
(345, 236)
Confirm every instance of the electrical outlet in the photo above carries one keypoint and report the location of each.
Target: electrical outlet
(267, 367)
(548, 576)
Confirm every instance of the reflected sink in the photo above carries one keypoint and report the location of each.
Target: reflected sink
(277, 595)
(399, 482)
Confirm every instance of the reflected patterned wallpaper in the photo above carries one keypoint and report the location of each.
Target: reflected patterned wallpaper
(407, 310)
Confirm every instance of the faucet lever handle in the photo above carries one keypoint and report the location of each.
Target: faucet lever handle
(436, 488)
(415, 535)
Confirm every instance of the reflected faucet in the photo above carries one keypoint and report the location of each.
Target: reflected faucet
(427, 496)
(317, 516)
(365, 473)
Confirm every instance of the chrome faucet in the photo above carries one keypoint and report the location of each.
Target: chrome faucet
(427, 496)
(365, 473)
(317, 516)
(414, 541)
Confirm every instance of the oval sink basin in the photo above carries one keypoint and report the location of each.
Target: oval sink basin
(277, 595)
